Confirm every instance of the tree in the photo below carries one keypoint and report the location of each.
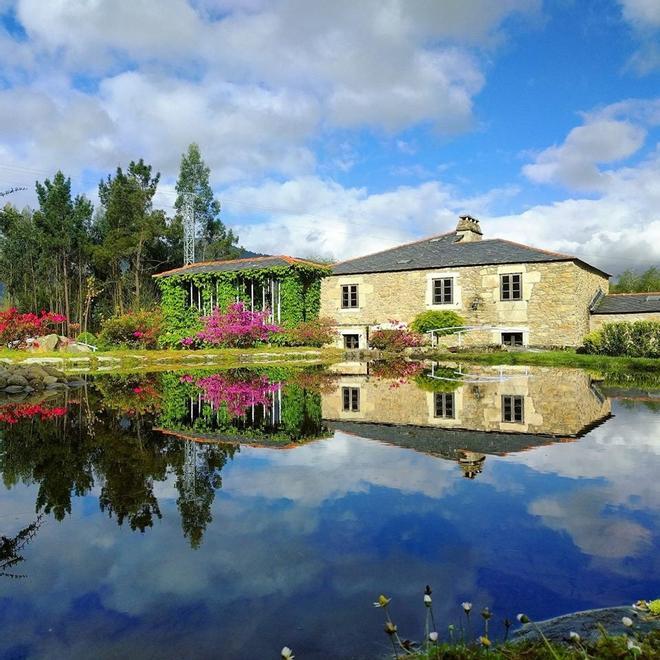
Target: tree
(631, 282)
(215, 240)
(63, 226)
(128, 232)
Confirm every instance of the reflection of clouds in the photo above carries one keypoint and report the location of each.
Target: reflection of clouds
(623, 458)
(581, 515)
(331, 469)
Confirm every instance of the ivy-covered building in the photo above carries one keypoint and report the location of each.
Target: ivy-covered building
(287, 287)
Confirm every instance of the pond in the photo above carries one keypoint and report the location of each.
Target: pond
(225, 514)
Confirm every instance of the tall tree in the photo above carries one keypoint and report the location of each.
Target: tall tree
(128, 230)
(631, 282)
(63, 227)
(215, 241)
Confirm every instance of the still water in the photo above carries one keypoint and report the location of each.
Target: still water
(211, 514)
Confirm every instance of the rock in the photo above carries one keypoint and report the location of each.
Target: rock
(35, 372)
(3, 382)
(51, 371)
(49, 380)
(75, 347)
(14, 389)
(17, 379)
(56, 386)
(48, 342)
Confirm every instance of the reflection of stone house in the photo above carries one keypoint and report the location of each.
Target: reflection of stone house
(527, 296)
(491, 410)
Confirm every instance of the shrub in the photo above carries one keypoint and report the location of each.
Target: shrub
(87, 338)
(16, 328)
(395, 339)
(432, 320)
(636, 339)
(238, 327)
(317, 332)
(133, 329)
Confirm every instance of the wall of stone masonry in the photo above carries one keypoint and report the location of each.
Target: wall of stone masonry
(597, 320)
(557, 402)
(553, 312)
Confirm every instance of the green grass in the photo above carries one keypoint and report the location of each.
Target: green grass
(554, 359)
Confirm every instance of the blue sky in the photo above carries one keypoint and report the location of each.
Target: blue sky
(334, 129)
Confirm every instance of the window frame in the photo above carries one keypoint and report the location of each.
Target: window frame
(442, 281)
(350, 293)
(443, 411)
(510, 285)
(350, 399)
(509, 401)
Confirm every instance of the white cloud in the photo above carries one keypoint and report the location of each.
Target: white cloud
(641, 13)
(644, 17)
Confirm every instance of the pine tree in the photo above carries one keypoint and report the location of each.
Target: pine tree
(214, 241)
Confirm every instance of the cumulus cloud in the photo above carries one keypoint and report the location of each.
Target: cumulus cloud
(644, 17)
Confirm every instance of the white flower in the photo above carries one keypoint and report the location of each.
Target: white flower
(627, 622)
(573, 636)
(467, 607)
(427, 600)
(523, 618)
(633, 647)
(433, 636)
(287, 653)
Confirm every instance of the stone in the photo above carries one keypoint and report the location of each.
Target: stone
(51, 371)
(50, 380)
(17, 379)
(75, 347)
(14, 389)
(48, 342)
(56, 386)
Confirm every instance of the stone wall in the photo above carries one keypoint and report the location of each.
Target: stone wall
(557, 402)
(553, 311)
(597, 320)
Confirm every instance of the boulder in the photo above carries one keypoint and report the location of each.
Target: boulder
(48, 342)
(75, 347)
(17, 379)
(14, 389)
(52, 371)
(49, 380)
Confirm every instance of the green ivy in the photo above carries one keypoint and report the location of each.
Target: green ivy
(300, 295)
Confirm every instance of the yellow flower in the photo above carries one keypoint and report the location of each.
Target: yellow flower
(484, 641)
(383, 601)
(390, 628)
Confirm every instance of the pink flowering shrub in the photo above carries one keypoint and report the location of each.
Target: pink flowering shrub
(133, 329)
(16, 328)
(395, 339)
(238, 327)
(237, 395)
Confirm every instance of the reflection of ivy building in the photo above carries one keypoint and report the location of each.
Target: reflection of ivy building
(463, 416)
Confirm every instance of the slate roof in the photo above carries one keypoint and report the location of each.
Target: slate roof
(233, 265)
(628, 303)
(445, 252)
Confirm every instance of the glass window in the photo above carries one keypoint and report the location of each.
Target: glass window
(349, 296)
(443, 291)
(513, 408)
(511, 286)
(512, 338)
(351, 341)
(350, 399)
(444, 405)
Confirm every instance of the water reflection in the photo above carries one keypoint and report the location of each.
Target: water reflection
(300, 511)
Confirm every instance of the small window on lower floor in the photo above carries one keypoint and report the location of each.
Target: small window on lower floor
(350, 399)
(512, 338)
(513, 408)
(444, 405)
(351, 341)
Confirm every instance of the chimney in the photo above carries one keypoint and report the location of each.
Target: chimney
(467, 229)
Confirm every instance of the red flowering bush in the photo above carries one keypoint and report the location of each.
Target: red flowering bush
(133, 329)
(12, 413)
(395, 339)
(16, 328)
(238, 327)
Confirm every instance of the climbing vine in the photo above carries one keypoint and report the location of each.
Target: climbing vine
(300, 296)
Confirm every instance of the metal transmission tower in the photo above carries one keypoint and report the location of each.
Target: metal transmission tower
(189, 228)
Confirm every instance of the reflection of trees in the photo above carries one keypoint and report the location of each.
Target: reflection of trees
(11, 547)
(117, 450)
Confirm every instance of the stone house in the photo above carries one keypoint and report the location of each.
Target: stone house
(625, 307)
(506, 292)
